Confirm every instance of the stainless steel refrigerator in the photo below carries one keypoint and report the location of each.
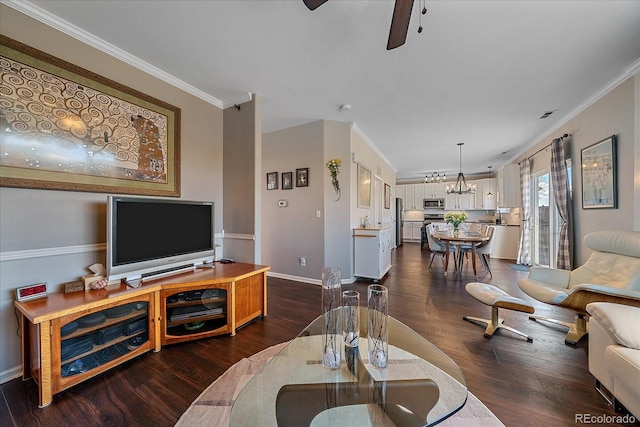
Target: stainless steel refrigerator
(399, 221)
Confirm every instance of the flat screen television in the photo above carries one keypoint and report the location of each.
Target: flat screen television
(154, 237)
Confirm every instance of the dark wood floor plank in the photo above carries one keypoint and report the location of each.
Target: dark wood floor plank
(525, 384)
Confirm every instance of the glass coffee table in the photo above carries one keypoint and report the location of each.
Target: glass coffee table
(421, 385)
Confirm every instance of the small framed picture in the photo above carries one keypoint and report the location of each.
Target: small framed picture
(302, 177)
(287, 180)
(387, 196)
(272, 180)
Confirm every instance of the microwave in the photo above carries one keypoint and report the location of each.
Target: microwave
(434, 203)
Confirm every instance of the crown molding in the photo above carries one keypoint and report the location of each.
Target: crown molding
(366, 139)
(77, 33)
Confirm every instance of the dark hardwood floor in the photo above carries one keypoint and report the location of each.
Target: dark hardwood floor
(544, 383)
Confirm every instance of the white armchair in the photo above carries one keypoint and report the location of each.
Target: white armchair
(611, 274)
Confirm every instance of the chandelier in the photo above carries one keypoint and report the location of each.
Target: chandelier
(461, 186)
(435, 177)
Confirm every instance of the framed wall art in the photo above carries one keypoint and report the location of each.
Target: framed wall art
(287, 180)
(272, 180)
(364, 187)
(387, 196)
(67, 128)
(302, 177)
(599, 172)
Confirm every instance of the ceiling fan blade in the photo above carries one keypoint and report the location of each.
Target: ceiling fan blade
(314, 4)
(399, 23)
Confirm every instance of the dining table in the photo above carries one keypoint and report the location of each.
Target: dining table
(459, 238)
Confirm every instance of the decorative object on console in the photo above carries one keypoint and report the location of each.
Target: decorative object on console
(302, 177)
(461, 186)
(96, 135)
(77, 285)
(334, 169)
(599, 185)
(377, 331)
(34, 291)
(455, 218)
(331, 310)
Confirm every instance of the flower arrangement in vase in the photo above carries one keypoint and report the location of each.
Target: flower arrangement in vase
(455, 218)
(334, 169)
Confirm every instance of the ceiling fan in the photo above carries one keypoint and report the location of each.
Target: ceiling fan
(399, 21)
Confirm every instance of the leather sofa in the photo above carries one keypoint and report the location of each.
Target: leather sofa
(614, 353)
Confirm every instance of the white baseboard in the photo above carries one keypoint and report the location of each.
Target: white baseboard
(10, 374)
(304, 279)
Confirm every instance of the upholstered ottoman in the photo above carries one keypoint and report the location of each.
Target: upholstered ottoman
(496, 298)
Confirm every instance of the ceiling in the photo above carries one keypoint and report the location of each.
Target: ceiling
(481, 73)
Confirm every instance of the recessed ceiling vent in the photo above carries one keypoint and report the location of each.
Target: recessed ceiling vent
(547, 114)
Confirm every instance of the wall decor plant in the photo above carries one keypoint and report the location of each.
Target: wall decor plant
(334, 168)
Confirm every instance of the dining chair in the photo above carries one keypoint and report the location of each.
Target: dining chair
(483, 250)
(437, 246)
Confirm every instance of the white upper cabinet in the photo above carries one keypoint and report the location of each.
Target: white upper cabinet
(508, 186)
(412, 195)
(485, 197)
(459, 202)
(434, 190)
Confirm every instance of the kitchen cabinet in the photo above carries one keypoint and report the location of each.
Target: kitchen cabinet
(434, 190)
(506, 240)
(459, 202)
(411, 230)
(482, 199)
(412, 195)
(372, 248)
(508, 186)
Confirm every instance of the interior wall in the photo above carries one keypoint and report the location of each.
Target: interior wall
(239, 161)
(337, 230)
(54, 236)
(613, 114)
(366, 154)
(294, 231)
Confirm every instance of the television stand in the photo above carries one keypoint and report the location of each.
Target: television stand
(184, 307)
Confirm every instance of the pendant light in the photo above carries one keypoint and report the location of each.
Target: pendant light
(461, 186)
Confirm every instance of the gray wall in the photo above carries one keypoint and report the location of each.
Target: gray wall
(54, 236)
(294, 231)
(239, 160)
(613, 114)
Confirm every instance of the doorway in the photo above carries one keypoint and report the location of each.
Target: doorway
(545, 222)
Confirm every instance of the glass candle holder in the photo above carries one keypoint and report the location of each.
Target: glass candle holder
(331, 312)
(350, 318)
(377, 325)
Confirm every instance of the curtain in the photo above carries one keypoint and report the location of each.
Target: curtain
(561, 196)
(524, 250)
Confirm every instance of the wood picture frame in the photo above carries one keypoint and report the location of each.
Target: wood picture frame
(364, 187)
(67, 128)
(272, 180)
(302, 177)
(287, 180)
(387, 196)
(599, 175)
